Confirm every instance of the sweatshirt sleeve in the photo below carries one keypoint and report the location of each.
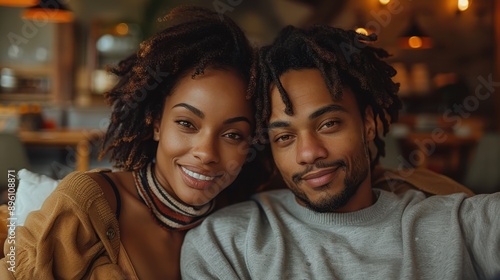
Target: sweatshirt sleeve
(61, 240)
(480, 216)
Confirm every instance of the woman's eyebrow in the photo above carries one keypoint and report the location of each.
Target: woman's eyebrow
(195, 111)
(237, 119)
(200, 114)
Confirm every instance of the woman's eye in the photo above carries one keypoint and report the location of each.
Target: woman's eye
(185, 124)
(233, 136)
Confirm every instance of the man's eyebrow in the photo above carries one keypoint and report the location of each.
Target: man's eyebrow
(237, 119)
(191, 108)
(315, 114)
(326, 109)
(278, 124)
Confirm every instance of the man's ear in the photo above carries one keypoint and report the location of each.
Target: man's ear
(156, 130)
(369, 123)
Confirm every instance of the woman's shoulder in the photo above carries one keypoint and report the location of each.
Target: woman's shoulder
(82, 187)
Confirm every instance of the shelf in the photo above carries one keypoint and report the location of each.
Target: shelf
(26, 97)
(30, 70)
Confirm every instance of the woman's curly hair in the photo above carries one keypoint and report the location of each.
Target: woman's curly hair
(196, 38)
(344, 59)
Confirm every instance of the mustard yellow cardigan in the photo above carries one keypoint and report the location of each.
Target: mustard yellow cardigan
(75, 235)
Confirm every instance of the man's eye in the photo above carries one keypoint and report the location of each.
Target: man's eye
(185, 124)
(283, 138)
(329, 124)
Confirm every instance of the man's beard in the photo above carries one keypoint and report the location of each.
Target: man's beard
(353, 179)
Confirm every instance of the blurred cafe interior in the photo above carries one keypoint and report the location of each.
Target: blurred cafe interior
(53, 75)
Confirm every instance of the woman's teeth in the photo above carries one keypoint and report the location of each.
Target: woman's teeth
(196, 175)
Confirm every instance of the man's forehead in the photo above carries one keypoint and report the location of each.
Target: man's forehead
(302, 86)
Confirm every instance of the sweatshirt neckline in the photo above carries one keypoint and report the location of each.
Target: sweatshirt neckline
(377, 211)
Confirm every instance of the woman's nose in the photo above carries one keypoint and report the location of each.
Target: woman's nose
(206, 149)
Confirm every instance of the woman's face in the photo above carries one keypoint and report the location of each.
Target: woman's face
(203, 135)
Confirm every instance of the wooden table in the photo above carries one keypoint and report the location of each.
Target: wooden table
(78, 139)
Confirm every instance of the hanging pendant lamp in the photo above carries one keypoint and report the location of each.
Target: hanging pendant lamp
(414, 37)
(49, 10)
(18, 3)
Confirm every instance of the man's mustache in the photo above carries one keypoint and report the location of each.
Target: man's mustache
(318, 165)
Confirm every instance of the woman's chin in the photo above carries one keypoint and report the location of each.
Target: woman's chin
(197, 200)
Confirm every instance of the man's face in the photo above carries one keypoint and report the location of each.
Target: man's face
(321, 150)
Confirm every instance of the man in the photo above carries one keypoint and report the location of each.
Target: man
(322, 92)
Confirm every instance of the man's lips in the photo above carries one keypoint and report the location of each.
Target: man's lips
(320, 177)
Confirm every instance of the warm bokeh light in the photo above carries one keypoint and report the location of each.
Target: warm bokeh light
(384, 2)
(36, 108)
(18, 3)
(463, 5)
(51, 15)
(121, 29)
(361, 30)
(415, 42)
(24, 108)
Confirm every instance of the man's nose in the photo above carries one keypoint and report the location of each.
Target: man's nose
(310, 148)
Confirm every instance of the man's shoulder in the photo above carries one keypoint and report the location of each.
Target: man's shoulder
(238, 217)
(459, 205)
(243, 210)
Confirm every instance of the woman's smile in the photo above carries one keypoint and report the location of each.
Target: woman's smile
(197, 175)
(196, 180)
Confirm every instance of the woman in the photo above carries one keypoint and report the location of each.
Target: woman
(180, 133)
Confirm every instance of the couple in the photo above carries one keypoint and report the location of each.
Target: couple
(184, 113)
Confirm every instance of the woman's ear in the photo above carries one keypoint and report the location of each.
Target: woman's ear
(369, 123)
(156, 130)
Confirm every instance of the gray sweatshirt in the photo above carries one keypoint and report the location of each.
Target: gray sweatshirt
(403, 236)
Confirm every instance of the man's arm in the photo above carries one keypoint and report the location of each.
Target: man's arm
(481, 226)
